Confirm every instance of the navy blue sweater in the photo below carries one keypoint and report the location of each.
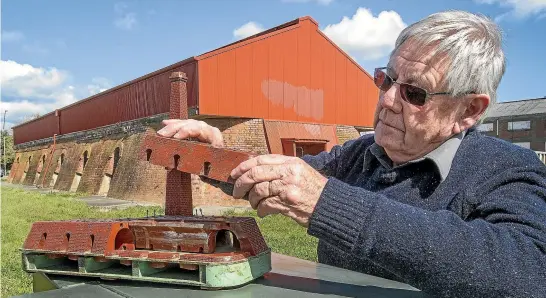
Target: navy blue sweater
(479, 233)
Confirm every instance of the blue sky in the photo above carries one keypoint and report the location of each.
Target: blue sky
(56, 52)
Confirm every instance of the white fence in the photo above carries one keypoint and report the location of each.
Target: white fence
(541, 156)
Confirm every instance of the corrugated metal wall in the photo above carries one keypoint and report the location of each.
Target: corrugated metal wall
(43, 127)
(143, 97)
(294, 74)
(278, 130)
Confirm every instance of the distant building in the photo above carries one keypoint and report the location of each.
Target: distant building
(288, 90)
(520, 122)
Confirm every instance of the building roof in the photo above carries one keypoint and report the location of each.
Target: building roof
(517, 108)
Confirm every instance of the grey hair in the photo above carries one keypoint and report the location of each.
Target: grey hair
(473, 45)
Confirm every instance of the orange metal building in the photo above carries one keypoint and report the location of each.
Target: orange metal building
(292, 72)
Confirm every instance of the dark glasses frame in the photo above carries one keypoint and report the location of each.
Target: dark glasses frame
(410, 93)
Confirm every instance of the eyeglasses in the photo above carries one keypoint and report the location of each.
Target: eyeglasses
(414, 95)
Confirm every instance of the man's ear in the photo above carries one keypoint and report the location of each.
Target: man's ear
(476, 104)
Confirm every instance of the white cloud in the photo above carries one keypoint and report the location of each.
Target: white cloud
(518, 8)
(12, 36)
(98, 85)
(322, 2)
(28, 90)
(24, 80)
(126, 20)
(247, 30)
(364, 36)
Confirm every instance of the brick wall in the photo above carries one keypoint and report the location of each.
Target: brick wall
(73, 152)
(133, 180)
(242, 134)
(536, 136)
(137, 180)
(346, 133)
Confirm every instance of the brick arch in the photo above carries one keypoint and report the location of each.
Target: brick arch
(40, 169)
(61, 159)
(110, 169)
(116, 156)
(84, 160)
(14, 168)
(27, 167)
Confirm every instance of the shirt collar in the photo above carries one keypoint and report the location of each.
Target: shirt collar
(442, 156)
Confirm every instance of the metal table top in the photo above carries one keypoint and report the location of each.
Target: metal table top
(290, 277)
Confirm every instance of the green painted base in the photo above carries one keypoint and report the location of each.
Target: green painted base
(207, 276)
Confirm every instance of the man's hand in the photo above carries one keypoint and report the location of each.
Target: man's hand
(190, 128)
(279, 184)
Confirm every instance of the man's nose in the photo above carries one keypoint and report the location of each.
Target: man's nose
(390, 99)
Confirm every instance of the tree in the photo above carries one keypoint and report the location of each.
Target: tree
(10, 152)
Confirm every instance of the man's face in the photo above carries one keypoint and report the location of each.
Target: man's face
(405, 131)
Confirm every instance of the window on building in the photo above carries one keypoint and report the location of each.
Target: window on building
(523, 144)
(309, 148)
(485, 127)
(299, 148)
(519, 125)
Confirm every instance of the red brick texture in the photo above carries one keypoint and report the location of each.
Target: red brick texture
(345, 133)
(135, 238)
(192, 157)
(178, 194)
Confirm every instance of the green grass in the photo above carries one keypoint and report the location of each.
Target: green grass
(21, 208)
(285, 236)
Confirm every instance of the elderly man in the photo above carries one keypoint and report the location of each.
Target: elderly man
(426, 200)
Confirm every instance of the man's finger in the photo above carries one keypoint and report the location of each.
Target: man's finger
(169, 121)
(171, 129)
(268, 159)
(271, 205)
(257, 174)
(257, 193)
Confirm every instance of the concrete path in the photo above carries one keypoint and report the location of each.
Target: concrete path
(106, 202)
(93, 201)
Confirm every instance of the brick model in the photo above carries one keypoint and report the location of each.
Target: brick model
(219, 251)
(211, 252)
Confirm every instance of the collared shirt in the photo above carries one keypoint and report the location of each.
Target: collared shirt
(442, 156)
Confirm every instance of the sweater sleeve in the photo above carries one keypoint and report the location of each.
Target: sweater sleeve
(498, 251)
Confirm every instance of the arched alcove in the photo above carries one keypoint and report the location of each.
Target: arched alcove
(39, 170)
(58, 167)
(84, 158)
(25, 171)
(109, 172)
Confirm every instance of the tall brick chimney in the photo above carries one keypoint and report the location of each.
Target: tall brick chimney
(178, 196)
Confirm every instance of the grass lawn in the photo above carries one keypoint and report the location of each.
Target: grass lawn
(21, 208)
